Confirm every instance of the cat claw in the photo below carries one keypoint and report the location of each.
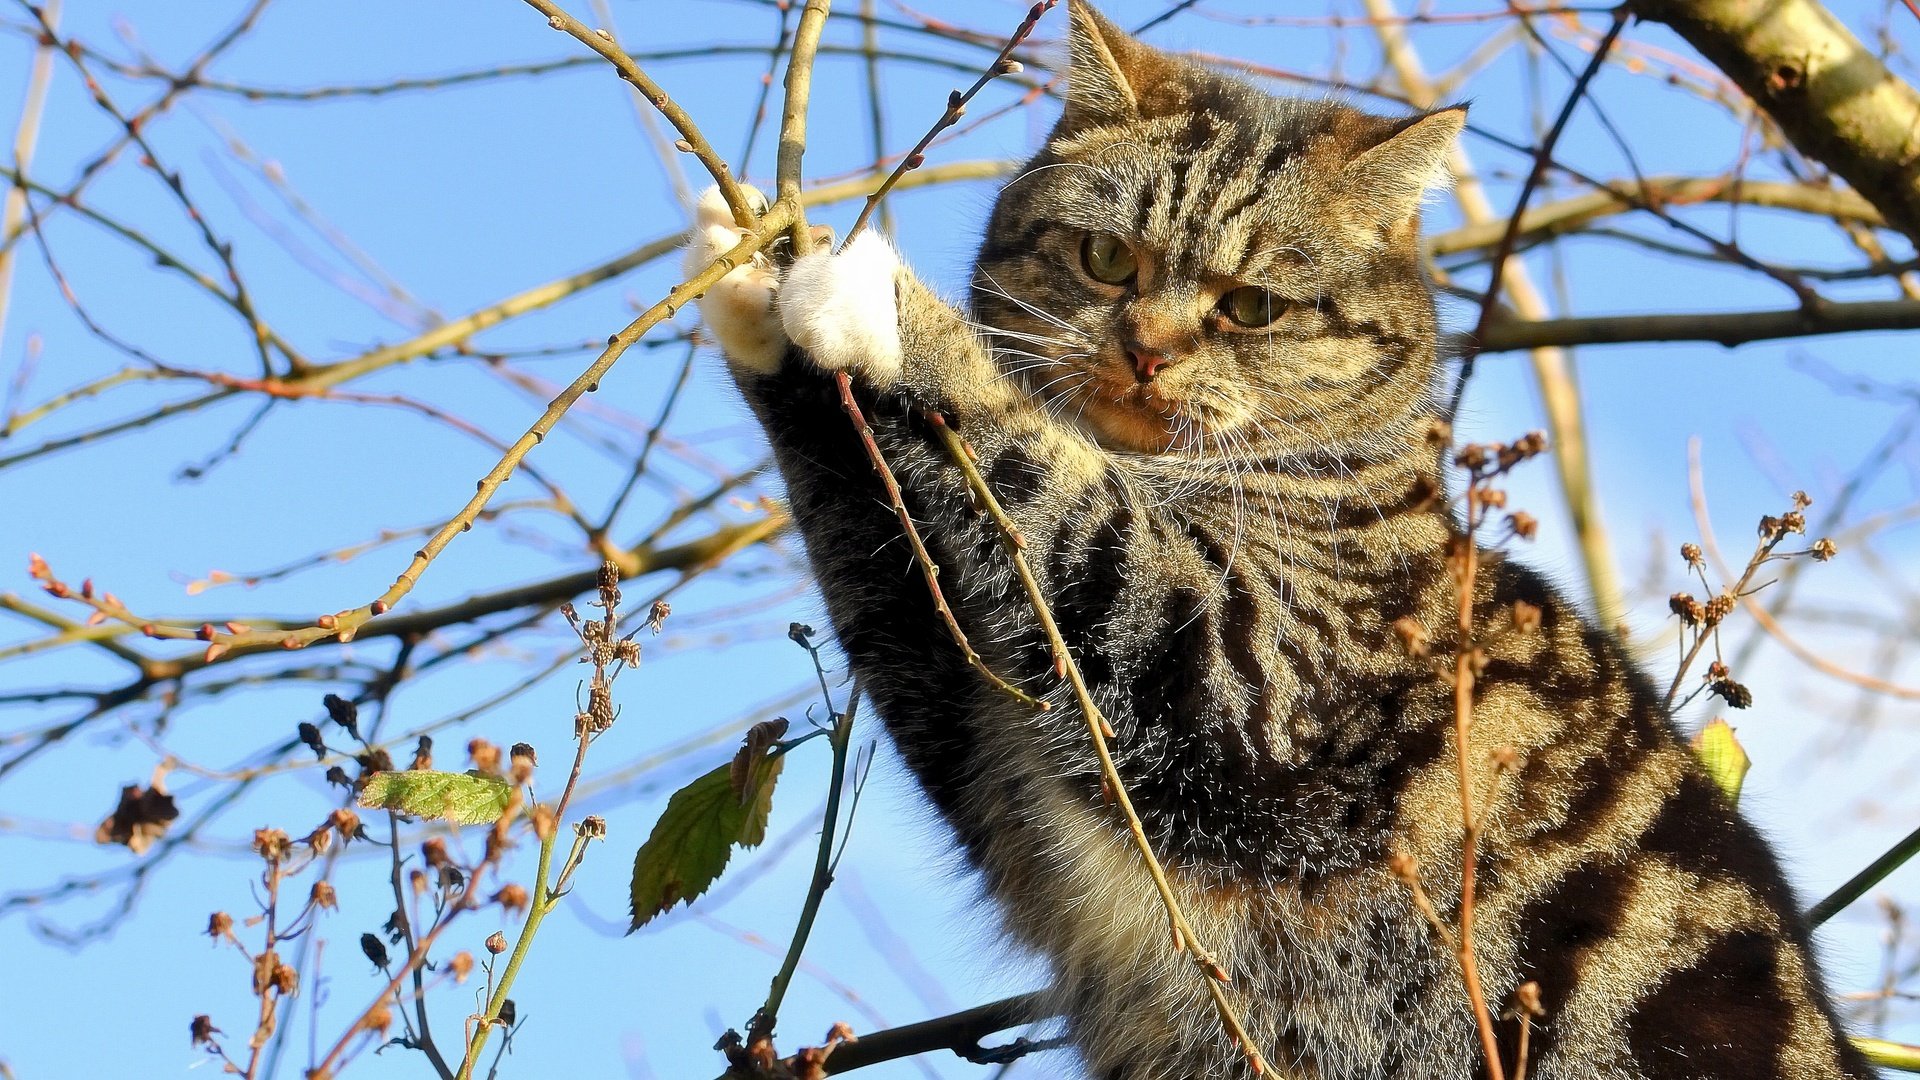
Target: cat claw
(739, 309)
(842, 309)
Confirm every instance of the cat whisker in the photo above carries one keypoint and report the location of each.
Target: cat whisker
(1025, 335)
(1001, 291)
(1095, 169)
(1055, 406)
(997, 334)
(1015, 371)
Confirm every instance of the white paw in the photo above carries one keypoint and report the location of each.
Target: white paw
(841, 308)
(738, 311)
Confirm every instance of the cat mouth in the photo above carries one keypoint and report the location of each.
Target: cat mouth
(1126, 415)
(1141, 417)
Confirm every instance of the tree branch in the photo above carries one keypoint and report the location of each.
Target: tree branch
(1185, 938)
(1832, 98)
(1727, 328)
(1552, 369)
(549, 293)
(696, 143)
(688, 557)
(1569, 214)
(959, 1032)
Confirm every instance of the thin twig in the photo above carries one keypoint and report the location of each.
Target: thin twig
(545, 897)
(1541, 158)
(696, 143)
(1768, 623)
(876, 110)
(1185, 939)
(466, 901)
(263, 338)
(1003, 64)
(766, 90)
(1856, 886)
(345, 625)
(929, 570)
(1465, 655)
(1552, 368)
(403, 919)
(654, 431)
(1164, 16)
(1707, 630)
(760, 1030)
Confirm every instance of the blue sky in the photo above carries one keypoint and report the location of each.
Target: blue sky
(469, 194)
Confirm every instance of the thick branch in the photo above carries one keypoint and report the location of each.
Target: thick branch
(959, 1032)
(1832, 98)
(962, 1031)
(793, 116)
(1727, 328)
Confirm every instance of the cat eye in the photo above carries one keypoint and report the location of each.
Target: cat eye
(1250, 305)
(1108, 259)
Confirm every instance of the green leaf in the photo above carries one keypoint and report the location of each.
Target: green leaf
(1726, 762)
(463, 798)
(696, 835)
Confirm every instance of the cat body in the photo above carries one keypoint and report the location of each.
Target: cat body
(1198, 375)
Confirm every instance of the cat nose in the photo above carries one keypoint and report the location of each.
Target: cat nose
(1147, 361)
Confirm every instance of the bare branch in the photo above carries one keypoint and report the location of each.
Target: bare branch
(1729, 328)
(1620, 196)
(1831, 96)
(696, 143)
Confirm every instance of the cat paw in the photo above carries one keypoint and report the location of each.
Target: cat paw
(841, 308)
(739, 309)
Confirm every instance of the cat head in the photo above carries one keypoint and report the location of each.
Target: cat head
(1191, 265)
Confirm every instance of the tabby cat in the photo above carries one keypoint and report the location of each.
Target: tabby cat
(1199, 371)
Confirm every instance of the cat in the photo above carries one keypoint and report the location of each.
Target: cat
(1199, 372)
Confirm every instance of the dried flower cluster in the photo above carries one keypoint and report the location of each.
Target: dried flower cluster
(1701, 620)
(441, 884)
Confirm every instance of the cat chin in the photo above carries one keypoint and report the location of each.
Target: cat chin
(1122, 425)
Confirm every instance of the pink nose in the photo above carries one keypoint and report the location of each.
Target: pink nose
(1147, 362)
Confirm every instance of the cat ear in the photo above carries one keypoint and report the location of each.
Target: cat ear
(1108, 71)
(1396, 173)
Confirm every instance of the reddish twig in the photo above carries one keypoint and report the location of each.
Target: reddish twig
(344, 625)
(1099, 730)
(1466, 653)
(928, 568)
(1481, 463)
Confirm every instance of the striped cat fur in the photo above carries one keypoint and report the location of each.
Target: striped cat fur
(1228, 498)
